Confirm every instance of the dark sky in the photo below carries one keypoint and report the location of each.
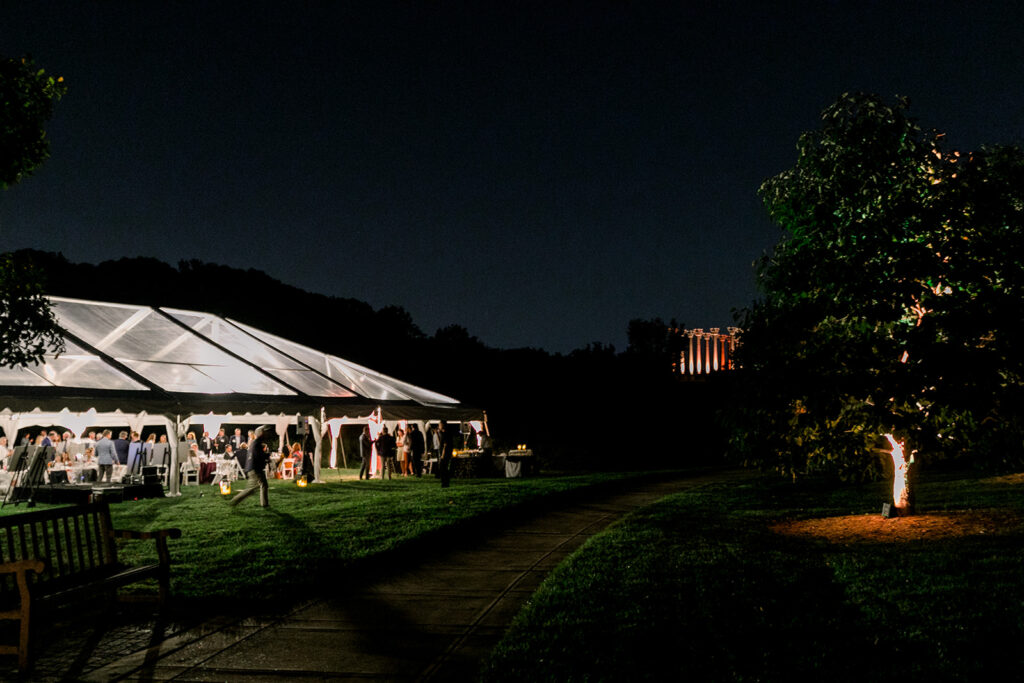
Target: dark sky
(538, 172)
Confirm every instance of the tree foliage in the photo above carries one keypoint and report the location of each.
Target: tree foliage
(890, 304)
(28, 96)
(28, 328)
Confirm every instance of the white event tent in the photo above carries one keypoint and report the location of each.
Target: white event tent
(145, 366)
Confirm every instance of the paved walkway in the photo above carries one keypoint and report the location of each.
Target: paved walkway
(432, 621)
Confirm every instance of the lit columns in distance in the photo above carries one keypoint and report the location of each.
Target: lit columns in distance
(708, 351)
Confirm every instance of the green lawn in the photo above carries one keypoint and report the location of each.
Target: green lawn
(309, 537)
(697, 587)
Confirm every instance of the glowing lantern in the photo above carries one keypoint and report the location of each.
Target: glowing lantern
(302, 482)
(225, 487)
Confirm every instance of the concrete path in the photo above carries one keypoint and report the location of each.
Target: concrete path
(432, 620)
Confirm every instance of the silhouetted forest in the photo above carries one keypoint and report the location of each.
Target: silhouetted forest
(593, 408)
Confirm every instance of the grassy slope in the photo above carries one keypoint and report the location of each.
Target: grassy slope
(309, 535)
(696, 588)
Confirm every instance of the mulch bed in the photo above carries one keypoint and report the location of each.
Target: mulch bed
(874, 528)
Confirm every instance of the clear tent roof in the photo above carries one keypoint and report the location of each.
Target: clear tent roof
(192, 352)
(364, 381)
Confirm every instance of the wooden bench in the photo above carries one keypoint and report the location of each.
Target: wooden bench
(53, 556)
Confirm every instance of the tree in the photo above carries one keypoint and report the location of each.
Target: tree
(28, 329)
(889, 306)
(27, 95)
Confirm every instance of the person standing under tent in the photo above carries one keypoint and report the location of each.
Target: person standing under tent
(106, 456)
(256, 469)
(308, 453)
(147, 449)
(135, 454)
(365, 452)
(206, 444)
(5, 452)
(219, 442)
(62, 447)
(121, 446)
(444, 460)
(386, 451)
(417, 447)
(400, 450)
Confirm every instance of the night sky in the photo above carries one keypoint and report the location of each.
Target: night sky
(540, 173)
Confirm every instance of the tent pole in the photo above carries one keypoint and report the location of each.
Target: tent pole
(318, 434)
(172, 471)
(341, 440)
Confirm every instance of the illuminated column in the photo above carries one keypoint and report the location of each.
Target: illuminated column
(714, 340)
(690, 333)
(700, 342)
(707, 353)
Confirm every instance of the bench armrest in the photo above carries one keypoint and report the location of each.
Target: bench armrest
(21, 566)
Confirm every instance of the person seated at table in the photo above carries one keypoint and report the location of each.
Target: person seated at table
(242, 453)
(296, 455)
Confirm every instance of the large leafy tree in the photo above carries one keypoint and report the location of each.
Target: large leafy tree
(890, 307)
(27, 98)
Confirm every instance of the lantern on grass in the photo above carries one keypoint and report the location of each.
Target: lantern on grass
(225, 487)
(302, 482)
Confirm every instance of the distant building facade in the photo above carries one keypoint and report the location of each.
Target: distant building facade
(707, 351)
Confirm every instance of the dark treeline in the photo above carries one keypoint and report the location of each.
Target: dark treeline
(591, 408)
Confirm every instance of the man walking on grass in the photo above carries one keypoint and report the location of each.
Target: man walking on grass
(256, 468)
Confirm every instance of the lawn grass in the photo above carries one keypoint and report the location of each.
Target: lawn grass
(308, 537)
(698, 587)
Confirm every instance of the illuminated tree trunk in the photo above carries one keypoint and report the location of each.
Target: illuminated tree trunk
(902, 492)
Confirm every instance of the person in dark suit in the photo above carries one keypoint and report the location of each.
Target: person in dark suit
(135, 454)
(121, 447)
(365, 451)
(386, 451)
(206, 443)
(219, 442)
(308, 453)
(419, 447)
(256, 468)
(241, 455)
(444, 462)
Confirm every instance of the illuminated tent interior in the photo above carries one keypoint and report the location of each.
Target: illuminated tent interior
(141, 366)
